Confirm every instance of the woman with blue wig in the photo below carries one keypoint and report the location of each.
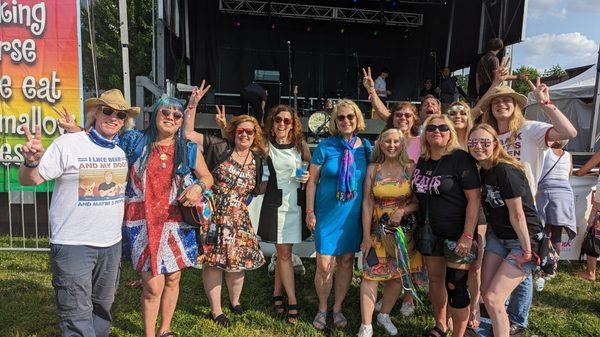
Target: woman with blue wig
(164, 172)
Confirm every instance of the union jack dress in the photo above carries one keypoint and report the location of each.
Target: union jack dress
(158, 238)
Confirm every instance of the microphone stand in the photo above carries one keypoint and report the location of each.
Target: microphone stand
(358, 77)
(289, 45)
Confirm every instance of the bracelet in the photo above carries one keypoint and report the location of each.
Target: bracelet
(30, 165)
(548, 102)
(467, 235)
(202, 186)
(192, 106)
(310, 211)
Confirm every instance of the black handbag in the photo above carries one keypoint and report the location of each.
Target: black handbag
(591, 244)
(548, 257)
(425, 239)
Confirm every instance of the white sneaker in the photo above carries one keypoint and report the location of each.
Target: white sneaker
(365, 330)
(385, 321)
(407, 309)
(378, 305)
(540, 283)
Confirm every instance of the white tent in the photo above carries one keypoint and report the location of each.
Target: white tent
(574, 98)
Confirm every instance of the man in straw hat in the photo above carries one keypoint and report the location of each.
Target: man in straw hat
(85, 239)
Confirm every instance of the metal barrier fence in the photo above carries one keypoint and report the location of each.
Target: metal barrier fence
(21, 214)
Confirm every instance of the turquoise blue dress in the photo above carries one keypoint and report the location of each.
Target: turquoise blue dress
(339, 227)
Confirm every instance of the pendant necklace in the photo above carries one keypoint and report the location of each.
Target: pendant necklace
(162, 156)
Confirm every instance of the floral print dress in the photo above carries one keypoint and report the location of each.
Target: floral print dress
(236, 247)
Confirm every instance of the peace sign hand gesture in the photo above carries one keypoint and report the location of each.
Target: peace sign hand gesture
(33, 150)
(501, 73)
(197, 94)
(368, 82)
(540, 91)
(66, 120)
(220, 118)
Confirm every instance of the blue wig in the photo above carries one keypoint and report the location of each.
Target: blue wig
(151, 133)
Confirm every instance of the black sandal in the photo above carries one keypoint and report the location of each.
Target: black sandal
(237, 310)
(221, 320)
(436, 332)
(292, 318)
(279, 308)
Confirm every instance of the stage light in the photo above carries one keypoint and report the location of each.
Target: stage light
(375, 33)
(308, 28)
(342, 30)
(273, 26)
(238, 23)
(394, 3)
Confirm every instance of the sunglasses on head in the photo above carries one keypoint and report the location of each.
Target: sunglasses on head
(285, 120)
(241, 131)
(110, 111)
(341, 118)
(455, 109)
(485, 143)
(441, 128)
(406, 115)
(177, 115)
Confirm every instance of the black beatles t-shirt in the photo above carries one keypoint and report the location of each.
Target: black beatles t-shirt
(501, 182)
(447, 201)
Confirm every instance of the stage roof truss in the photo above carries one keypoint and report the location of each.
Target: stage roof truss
(303, 11)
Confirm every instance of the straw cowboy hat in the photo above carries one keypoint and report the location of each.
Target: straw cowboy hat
(503, 90)
(112, 98)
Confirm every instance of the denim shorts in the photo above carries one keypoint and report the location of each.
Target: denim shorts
(508, 249)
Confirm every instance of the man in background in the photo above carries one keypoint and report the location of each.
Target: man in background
(381, 85)
(256, 96)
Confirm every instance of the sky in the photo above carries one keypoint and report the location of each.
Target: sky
(563, 32)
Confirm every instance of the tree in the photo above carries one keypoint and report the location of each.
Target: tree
(555, 71)
(522, 87)
(108, 44)
(463, 82)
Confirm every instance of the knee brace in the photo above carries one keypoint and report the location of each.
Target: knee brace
(456, 285)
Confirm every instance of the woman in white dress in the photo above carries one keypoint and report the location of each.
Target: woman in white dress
(281, 216)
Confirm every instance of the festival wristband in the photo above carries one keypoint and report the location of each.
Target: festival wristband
(30, 165)
(310, 211)
(467, 235)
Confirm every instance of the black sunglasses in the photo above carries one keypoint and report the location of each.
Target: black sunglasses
(109, 111)
(441, 127)
(177, 115)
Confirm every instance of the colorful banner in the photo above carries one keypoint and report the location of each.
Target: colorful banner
(40, 67)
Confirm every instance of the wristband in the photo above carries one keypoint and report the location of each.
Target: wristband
(310, 211)
(467, 235)
(202, 186)
(192, 106)
(30, 165)
(548, 102)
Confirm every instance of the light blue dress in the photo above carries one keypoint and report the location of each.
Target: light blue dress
(339, 227)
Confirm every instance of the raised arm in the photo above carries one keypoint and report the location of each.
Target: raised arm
(190, 114)
(66, 120)
(380, 109)
(563, 128)
(33, 150)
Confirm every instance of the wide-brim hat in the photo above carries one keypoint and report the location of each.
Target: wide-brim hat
(504, 90)
(114, 99)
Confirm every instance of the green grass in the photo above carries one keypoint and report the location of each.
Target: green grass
(567, 307)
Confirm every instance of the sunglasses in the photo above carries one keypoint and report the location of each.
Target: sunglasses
(177, 115)
(110, 111)
(456, 109)
(241, 131)
(341, 118)
(441, 128)
(286, 121)
(406, 115)
(485, 143)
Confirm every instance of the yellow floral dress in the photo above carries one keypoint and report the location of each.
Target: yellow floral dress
(389, 195)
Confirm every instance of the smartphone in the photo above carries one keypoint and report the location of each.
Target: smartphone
(372, 258)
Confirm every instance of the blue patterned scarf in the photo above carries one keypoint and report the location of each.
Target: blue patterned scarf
(346, 188)
(99, 140)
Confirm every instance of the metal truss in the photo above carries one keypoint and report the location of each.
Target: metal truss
(302, 11)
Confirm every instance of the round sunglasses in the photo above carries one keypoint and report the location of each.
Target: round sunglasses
(341, 118)
(285, 120)
(177, 115)
(241, 131)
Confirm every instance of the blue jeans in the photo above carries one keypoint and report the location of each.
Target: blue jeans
(85, 280)
(520, 303)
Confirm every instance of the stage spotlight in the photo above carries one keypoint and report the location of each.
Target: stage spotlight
(394, 3)
(273, 26)
(375, 33)
(342, 30)
(308, 28)
(237, 23)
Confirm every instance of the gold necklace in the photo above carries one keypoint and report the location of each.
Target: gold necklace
(162, 156)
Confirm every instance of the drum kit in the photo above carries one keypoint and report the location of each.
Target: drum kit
(318, 120)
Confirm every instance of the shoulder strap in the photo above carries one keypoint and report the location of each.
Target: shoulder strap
(553, 166)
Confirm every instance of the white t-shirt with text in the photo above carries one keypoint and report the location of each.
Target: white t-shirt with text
(529, 148)
(88, 200)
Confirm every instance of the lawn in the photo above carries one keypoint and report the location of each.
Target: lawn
(567, 307)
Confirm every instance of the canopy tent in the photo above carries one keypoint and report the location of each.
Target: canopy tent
(574, 97)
